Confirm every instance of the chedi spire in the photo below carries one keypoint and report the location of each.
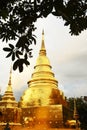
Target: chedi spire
(9, 87)
(42, 50)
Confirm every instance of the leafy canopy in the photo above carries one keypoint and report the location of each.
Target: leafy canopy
(81, 105)
(18, 17)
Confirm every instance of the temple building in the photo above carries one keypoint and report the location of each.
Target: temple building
(42, 104)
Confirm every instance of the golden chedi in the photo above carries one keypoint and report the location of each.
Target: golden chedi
(42, 102)
(8, 106)
(8, 99)
(42, 83)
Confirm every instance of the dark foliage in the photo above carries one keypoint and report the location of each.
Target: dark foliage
(0, 97)
(81, 105)
(17, 18)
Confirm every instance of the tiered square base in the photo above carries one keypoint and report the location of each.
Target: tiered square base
(51, 116)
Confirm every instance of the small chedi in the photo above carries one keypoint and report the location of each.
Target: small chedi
(9, 111)
(42, 103)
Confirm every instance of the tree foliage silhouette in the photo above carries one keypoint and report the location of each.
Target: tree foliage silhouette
(17, 22)
(81, 105)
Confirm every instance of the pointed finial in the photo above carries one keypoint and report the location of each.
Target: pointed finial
(9, 83)
(75, 110)
(74, 105)
(43, 45)
(42, 51)
(9, 87)
(43, 32)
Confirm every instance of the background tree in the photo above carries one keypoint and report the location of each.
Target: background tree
(0, 97)
(17, 22)
(81, 105)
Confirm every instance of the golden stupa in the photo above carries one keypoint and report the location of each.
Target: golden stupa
(42, 82)
(42, 103)
(8, 99)
(9, 106)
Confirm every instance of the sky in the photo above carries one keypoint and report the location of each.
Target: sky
(67, 55)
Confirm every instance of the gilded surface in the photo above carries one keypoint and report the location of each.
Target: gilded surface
(42, 82)
(8, 99)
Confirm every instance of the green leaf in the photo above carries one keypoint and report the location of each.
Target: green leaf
(25, 56)
(19, 64)
(26, 62)
(9, 55)
(15, 65)
(18, 53)
(6, 49)
(13, 56)
(11, 46)
(21, 68)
